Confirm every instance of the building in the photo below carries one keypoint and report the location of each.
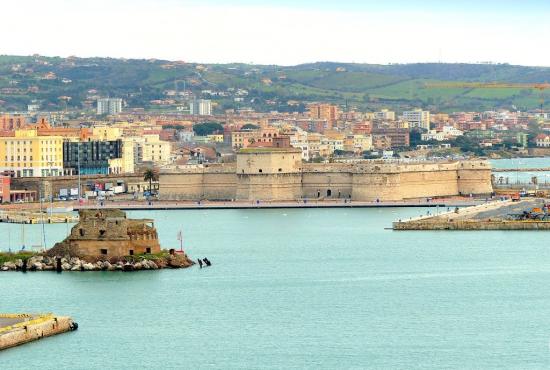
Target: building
(29, 155)
(542, 141)
(45, 129)
(185, 136)
(108, 232)
(264, 174)
(399, 137)
(149, 148)
(5, 187)
(91, 157)
(327, 112)
(384, 115)
(200, 107)
(109, 106)
(417, 118)
(433, 135)
(106, 133)
(10, 122)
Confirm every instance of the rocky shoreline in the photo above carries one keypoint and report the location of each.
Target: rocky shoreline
(45, 263)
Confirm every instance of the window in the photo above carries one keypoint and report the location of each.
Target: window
(131, 252)
(260, 170)
(147, 250)
(81, 231)
(103, 251)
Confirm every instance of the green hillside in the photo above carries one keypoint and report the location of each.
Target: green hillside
(45, 80)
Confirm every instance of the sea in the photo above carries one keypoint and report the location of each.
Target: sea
(296, 289)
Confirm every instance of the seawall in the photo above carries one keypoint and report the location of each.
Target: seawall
(261, 179)
(17, 329)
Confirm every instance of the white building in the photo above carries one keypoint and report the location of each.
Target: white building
(299, 140)
(417, 118)
(185, 136)
(109, 106)
(201, 107)
(433, 135)
(385, 115)
(450, 131)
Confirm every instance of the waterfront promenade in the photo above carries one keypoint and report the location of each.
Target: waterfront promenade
(310, 203)
(447, 202)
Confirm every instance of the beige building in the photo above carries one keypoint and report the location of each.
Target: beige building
(263, 174)
(385, 115)
(417, 118)
(30, 155)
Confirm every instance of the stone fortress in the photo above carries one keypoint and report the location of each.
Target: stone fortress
(278, 174)
(108, 232)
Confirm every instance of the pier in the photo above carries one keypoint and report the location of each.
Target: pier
(36, 217)
(538, 169)
(526, 214)
(17, 329)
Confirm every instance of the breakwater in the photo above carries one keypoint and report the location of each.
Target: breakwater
(129, 263)
(527, 214)
(472, 225)
(17, 329)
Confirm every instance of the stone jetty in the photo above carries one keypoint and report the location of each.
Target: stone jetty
(527, 214)
(17, 329)
(47, 263)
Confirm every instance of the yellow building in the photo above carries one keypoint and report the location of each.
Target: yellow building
(149, 148)
(30, 155)
(215, 138)
(106, 133)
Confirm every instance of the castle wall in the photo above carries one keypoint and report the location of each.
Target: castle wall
(216, 182)
(286, 186)
(474, 178)
(269, 174)
(364, 181)
(327, 185)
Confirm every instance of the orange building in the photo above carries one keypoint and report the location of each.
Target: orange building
(45, 129)
(10, 122)
(328, 112)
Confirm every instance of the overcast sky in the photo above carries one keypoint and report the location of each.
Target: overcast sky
(283, 32)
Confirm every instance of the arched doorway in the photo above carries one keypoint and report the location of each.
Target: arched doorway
(329, 192)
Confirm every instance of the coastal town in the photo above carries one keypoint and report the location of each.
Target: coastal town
(117, 141)
(245, 184)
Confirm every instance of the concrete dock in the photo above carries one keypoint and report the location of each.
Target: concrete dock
(498, 215)
(309, 203)
(17, 329)
(36, 217)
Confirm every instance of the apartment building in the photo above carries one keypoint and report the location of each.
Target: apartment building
(29, 155)
(327, 112)
(384, 115)
(417, 118)
(109, 106)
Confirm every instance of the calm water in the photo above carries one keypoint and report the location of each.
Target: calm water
(523, 177)
(299, 289)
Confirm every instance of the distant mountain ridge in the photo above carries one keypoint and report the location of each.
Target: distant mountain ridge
(58, 83)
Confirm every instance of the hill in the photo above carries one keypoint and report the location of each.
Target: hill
(75, 83)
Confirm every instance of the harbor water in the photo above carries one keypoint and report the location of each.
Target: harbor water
(297, 289)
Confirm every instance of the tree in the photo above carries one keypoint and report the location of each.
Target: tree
(207, 128)
(250, 126)
(150, 175)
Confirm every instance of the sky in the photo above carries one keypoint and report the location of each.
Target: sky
(284, 32)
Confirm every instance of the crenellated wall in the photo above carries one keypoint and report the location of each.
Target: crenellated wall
(264, 175)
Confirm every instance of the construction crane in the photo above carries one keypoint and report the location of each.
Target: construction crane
(492, 85)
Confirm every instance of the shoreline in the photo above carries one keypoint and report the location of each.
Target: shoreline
(172, 205)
